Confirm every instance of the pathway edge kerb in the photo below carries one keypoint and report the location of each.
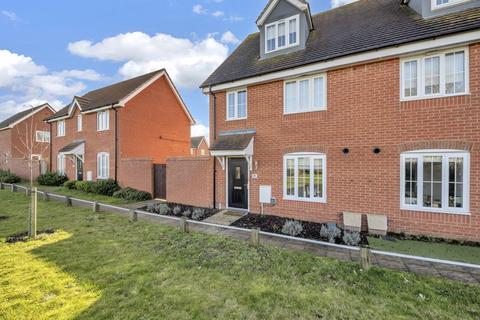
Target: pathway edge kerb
(275, 235)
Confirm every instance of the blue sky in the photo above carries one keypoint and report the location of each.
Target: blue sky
(52, 50)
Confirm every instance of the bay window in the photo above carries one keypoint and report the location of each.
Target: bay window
(103, 165)
(435, 181)
(305, 95)
(435, 75)
(305, 177)
(237, 105)
(276, 34)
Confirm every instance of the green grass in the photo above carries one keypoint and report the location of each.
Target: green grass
(100, 266)
(82, 195)
(426, 249)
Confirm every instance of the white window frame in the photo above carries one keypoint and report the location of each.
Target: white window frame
(450, 3)
(445, 154)
(61, 128)
(61, 164)
(421, 75)
(42, 136)
(235, 117)
(79, 123)
(103, 172)
(103, 120)
(312, 156)
(287, 33)
(311, 108)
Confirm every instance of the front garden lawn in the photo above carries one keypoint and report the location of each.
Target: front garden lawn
(81, 195)
(100, 266)
(444, 251)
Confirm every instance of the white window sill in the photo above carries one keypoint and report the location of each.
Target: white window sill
(236, 119)
(283, 48)
(436, 210)
(103, 178)
(304, 111)
(319, 200)
(100, 130)
(436, 96)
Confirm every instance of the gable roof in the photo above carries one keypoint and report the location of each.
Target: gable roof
(117, 94)
(361, 26)
(195, 141)
(18, 117)
(302, 5)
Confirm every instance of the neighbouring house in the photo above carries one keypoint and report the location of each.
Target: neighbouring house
(371, 108)
(122, 132)
(199, 147)
(25, 142)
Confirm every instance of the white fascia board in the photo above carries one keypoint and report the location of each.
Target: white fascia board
(29, 115)
(261, 20)
(376, 55)
(98, 109)
(124, 101)
(72, 107)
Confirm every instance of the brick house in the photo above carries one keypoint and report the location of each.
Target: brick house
(23, 135)
(372, 107)
(199, 147)
(119, 131)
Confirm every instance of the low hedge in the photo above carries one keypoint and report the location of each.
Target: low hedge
(52, 179)
(70, 184)
(132, 195)
(105, 187)
(8, 177)
(85, 186)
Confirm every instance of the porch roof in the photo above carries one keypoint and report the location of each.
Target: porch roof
(76, 148)
(233, 144)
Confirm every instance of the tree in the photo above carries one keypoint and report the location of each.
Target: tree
(30, 147)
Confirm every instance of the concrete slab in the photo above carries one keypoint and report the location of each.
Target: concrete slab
(224, 218)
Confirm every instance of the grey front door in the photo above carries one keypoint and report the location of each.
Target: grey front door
(79, 168)
(238, 183)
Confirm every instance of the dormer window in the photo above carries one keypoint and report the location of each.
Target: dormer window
(282, 34)
(439, 4)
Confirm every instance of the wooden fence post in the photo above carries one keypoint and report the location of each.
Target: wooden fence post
(133, 215)
(28, 191)
(2, 186)
(14, 188)
(365, 258)
(255, 237)
(69, 201)
(46, 197)
(34, 213)
(95, 206)
(183, 224)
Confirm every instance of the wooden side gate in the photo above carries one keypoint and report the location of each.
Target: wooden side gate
(160, 181)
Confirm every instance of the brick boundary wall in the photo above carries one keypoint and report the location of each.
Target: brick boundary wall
(136, 173)
(21, 168)
(190, 181)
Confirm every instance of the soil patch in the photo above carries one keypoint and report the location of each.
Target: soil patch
(23, 236)
(274, 224)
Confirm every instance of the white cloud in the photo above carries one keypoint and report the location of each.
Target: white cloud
(200, 130)
(218, 13)
(199, 9)
(229, 37)
(233, 19)
(188, 62)
(338, 3)
(12, 16)
(24, 82)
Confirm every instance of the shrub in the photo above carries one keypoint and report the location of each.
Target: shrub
(132, 194)
(70, 184)
(85, 186)
(163, 209)
(105, 187)
(8, 177)
(52, 179)
(351, 238)
(198, 214)
(187, 213)
(177, 210)
(330, 233)
(292, 228)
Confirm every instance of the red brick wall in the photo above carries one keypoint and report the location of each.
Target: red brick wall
(189, 181)
(154, 125)
(136, 173)
(95, 142)
(5, 148)
(364, 111)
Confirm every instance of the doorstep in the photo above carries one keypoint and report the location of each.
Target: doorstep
(225, 217)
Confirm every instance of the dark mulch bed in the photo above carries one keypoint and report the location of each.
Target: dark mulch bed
(183, 209)
(23, 236)
(274, 224)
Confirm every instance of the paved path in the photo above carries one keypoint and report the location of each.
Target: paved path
(224, 218)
